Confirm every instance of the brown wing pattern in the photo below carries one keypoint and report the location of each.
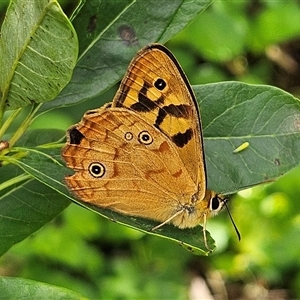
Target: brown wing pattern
(157, 89)
(121, 163)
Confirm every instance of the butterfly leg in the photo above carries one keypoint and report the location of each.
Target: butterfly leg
(168, 220)
(204, 232)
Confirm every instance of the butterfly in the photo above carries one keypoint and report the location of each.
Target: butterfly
(142, 154)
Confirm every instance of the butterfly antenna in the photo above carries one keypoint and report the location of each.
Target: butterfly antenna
(232, 221)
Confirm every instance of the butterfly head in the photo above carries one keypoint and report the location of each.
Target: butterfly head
(216, 202)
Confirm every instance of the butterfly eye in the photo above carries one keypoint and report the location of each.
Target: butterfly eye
(97, 170)
(145, 138)
(216, 204)
(160, 84)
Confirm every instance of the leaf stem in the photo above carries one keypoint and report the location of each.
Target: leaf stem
(14, 180)
(9, 121)
(2, 108)
(7, 159)
(26, 150)
(26, 123)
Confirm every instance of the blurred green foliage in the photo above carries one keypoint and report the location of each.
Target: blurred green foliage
(249, 41)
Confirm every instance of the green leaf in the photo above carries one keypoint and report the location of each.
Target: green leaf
(25, 209)
(110, 34)
(266, 117)
(11, 177)
(232, 113)
(18, 288)
(46, 138)
(26, 204)
(51, 173)
(38, 52)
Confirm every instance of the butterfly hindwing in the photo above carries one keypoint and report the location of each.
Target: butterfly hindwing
(121, 163)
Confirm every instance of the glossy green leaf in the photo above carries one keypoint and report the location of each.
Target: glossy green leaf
(232, 113)
(110, 34)
(26, 204)
(18, 288)
(266, 117)
(25, 209)
(11, 177)
(45, 138)
(45, 165)
(51, 173)
(38, 52)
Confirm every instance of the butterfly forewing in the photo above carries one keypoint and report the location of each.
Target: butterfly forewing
(157, 89)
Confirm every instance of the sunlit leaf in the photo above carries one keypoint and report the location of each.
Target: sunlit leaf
(232, 113)
(52, 173)
(38, 52)
(18, 288)
(111, 32)
(265, 117)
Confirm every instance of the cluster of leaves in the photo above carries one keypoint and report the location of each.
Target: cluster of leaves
(37, 65)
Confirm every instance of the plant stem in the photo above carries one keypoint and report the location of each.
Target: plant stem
(9, 121)
(2, 108)
(14, 180)
(26, 123)
(8, 159)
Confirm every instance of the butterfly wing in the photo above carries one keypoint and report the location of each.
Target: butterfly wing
(157, 89)
(125, 164)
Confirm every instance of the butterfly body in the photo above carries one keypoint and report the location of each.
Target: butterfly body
(142, 155)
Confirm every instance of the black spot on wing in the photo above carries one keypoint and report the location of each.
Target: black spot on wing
(160, 117)
(122, 95)
(91, 112)
(181, 139)
(160, 84)
(75, 136)
(145, 104)
(178, 111)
